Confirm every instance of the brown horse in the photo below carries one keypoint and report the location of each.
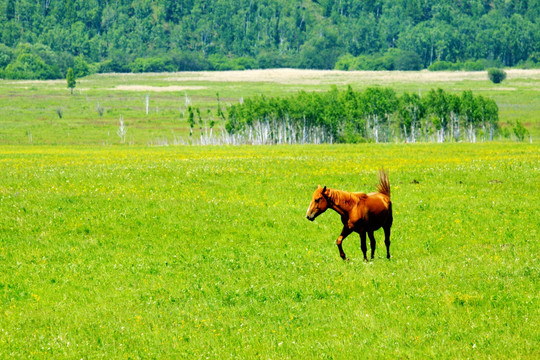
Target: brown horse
(359, 212)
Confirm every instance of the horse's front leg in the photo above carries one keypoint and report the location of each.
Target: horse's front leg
(344, 233)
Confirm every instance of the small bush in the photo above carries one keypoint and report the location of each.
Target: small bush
(188, 61)
(30, 66)
(100, 109)
(59, 112)
(345, 62)
(151, 64)
(352, 138)
(478, 65)
(496, 75)
(520, 131)
(407, 60)
(222, 62)
(113, 65)
(444, 66)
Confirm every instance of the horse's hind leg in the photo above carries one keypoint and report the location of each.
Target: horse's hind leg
(387, 240)
(372, 243)
(363, 244)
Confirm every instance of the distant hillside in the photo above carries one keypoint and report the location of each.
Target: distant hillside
(41, 39)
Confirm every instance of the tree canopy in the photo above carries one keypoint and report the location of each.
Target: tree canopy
(376, 114)
(167, 35)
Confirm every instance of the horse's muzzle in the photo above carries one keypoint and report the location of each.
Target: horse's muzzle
(310, 218)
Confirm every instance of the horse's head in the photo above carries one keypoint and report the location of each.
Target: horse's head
(319, 203)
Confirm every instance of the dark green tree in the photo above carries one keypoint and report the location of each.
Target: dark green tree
(191, 121)
(10, 9)
(71, 80)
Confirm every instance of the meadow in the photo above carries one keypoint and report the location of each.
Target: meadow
(113, 250)
(44, 112)
(205, 252)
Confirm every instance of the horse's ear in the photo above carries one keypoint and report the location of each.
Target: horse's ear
(324, 189)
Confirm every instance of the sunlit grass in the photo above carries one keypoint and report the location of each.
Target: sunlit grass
(186, 252)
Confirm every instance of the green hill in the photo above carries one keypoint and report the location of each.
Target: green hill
(41, 39)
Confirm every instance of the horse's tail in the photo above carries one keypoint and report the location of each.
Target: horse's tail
(384, 183)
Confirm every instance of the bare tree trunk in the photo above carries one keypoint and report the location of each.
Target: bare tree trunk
(405, 133)
(413, 137)
(376, 128)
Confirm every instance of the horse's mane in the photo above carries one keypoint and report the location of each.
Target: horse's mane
(344, 198)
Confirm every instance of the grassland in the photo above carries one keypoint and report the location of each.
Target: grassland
(204, 252)
(134, 251)
(30, 108)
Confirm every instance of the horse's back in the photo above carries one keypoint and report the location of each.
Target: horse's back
(378, 202)
(379, 210)
(360, 195)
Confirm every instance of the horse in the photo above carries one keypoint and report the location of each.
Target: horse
(360, 212)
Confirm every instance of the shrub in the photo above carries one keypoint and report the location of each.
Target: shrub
(30, 66)
(533, 62)
(244, 63)
(444, 66)
(496, 75)
(221, 62)
(345, 62)
(392, 59)
(406, 60)
(273, 60)
(520, 131)
(117, 62)
(477, 65)
(80, 67)
(188, 61)
(151, 64)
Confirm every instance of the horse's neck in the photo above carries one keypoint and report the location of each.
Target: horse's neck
(339, 201)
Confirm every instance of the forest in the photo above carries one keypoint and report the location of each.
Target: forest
(374, 115)
(42, 39)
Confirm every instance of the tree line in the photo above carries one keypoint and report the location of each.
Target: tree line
(43, 38)
(376, 114)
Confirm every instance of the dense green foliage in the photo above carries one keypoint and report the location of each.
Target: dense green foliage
(376, 114)
(196, 252)
(496, 75)
(166, 35)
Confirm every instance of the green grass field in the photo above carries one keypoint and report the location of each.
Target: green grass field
(205, 252)
(30, 108)
(134, 251)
